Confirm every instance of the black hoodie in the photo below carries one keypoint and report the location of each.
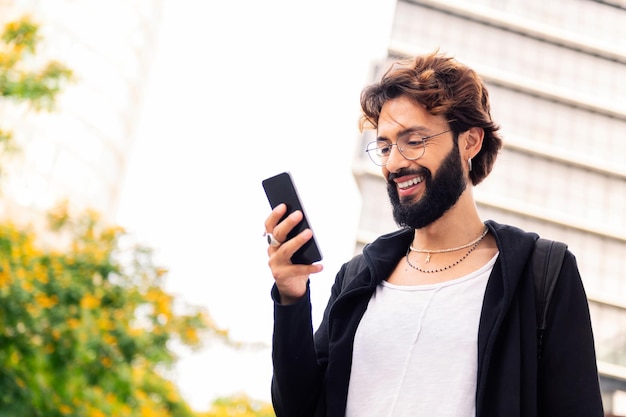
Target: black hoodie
(312, 371)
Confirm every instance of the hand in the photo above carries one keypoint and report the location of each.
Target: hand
(291, 280)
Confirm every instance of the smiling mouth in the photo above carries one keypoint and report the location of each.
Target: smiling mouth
(410, 183)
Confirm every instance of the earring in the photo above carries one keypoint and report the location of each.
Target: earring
(469, 163)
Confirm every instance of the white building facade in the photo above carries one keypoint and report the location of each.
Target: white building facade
(556, 73)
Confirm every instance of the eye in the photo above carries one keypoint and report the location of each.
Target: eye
(414, 141)
(383, 148)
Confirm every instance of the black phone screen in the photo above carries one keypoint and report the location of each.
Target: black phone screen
(281, 189)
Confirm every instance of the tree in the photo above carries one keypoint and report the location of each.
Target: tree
(87, 330)
(85, 326)
(19, 82)
(239, 406)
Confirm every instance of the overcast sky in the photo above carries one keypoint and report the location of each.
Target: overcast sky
(240, 91)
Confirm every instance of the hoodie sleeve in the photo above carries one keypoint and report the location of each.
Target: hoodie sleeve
(300, 358)
(568, 375)
(297, 378)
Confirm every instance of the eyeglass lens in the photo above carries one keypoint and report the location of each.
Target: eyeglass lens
(411, 147)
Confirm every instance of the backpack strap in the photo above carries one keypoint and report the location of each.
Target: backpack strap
(547, 259)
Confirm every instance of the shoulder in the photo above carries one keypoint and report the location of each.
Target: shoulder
(354, 265)
(376, 260)
(507, 231)
(389, 246)
(512, 239)
(515, 247)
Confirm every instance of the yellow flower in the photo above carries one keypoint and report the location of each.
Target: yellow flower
(26, 285)
(191, 335)
(41, 274)
(93, 412)
(33, 310)
(89, 302)
(106, 324)
(109, 339)
(149, 411)
(106, 362)
(5, 277)
(46, 302)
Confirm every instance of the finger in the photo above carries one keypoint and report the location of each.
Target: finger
(291, 280)
(285, 251)
(272, 220)
(282, 230)
(282, 271)
(271, 240)
(280, 259)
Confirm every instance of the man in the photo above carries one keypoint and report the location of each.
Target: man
(438, 318)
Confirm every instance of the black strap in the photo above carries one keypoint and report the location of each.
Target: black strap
(547, 260)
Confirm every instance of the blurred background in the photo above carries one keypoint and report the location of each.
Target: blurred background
(178, 110)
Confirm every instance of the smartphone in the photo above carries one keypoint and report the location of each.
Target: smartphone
(281, 189)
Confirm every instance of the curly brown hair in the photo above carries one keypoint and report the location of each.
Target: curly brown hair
(444, 87)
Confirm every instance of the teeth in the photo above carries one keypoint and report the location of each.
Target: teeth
(411, 182)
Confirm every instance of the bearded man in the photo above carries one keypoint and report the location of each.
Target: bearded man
(436, 319)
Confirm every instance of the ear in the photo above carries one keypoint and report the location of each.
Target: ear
(471, 141)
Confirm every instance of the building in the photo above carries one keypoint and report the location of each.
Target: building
(555, 72)
(78, 152)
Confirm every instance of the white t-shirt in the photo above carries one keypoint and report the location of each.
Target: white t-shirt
(416, 350)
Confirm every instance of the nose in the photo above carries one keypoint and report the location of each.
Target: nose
(396, 160)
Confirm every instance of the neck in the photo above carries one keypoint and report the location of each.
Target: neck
(459, 225)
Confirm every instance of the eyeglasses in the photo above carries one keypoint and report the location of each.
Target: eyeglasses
(412, 146)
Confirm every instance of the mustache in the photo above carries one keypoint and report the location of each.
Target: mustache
(404, 172)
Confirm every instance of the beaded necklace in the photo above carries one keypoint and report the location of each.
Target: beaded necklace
(472, 245)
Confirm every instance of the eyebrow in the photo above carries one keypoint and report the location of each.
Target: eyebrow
(423, 130)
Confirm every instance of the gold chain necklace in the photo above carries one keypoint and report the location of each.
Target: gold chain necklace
(467, 245)
(474, 244)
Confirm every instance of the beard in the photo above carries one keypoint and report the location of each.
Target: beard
(442, 192)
